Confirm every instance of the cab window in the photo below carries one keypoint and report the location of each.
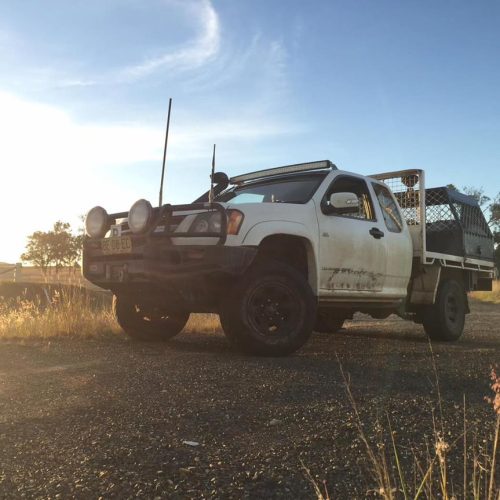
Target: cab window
(390, 211)
(350, 186)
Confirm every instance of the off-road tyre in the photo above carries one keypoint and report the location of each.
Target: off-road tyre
(328, 322)
(147, 326)
(270, 312)
(445, 320)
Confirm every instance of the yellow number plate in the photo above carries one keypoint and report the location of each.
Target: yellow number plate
(112, 246)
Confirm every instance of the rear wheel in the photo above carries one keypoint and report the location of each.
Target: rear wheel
(271, 311)
(328, 322)
(445, 319)
(145, 322)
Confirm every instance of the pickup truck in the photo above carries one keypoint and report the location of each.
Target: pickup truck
(283, 252)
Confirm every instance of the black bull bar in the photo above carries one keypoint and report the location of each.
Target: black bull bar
(154, 259)
(163, 216)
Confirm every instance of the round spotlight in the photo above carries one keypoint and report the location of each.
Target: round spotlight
(97, 222)
(140, 216)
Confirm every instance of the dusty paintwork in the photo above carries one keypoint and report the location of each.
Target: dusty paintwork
(345, 279)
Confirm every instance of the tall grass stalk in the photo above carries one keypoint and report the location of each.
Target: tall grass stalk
(431, 476)
(378, 464)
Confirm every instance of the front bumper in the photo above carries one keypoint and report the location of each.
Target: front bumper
(154, 259)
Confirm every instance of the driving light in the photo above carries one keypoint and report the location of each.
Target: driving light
(140, 216)
(97, 222)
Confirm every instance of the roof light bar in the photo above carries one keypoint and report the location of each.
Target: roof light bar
(288, 169)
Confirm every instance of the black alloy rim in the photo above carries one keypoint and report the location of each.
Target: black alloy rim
(274, 310)
(152, 316)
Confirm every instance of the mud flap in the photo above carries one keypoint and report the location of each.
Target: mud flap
(424, 286)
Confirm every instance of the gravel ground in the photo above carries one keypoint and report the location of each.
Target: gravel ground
(112, 418)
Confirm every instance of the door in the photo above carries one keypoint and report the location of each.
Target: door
(353, 255)
(398, 242)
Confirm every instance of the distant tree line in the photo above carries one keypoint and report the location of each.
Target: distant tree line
(56, 248)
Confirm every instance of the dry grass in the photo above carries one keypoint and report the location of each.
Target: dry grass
(72, 312)
(431, 472)
(493, 296)
(66, 313)
(203, 323)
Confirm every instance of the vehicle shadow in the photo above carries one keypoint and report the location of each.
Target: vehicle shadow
(188, 342)
(466, 342)
(380, 334)
(320, 344)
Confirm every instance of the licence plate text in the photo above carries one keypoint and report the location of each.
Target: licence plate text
(112, 246)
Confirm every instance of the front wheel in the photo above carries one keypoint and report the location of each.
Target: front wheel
(271, 312)
(147, 323)
(445, 320)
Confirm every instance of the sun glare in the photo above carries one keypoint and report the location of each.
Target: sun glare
(52, 168)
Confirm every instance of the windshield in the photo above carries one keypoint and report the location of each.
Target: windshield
(291, 190)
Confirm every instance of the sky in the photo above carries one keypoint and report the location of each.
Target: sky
(371, 85)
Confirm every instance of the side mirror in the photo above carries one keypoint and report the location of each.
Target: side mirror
(344, 203)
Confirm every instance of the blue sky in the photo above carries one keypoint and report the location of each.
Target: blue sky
(371, 85)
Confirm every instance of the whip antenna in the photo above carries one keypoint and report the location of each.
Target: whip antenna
(165, 152)
(211, 192)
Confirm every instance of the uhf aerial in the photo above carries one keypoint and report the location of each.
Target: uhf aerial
(211, 192)
(165, 152)
(222, 177)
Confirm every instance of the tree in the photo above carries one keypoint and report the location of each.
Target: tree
(58, 247)
(497, 250)
(38, 250)
(490, 207)
(64, 246)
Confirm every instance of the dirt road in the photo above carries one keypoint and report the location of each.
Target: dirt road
(191, 418)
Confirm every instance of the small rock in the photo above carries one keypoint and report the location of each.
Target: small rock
(274, 422)
(191, 443)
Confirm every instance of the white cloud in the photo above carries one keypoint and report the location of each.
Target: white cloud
(191, 56)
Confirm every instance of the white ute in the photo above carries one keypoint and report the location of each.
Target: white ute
(283, 252)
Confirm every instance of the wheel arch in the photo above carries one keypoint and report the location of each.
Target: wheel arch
(291, 245)
(424, 286)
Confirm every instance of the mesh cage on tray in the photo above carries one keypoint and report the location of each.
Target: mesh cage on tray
(438, 211)
(406, 189)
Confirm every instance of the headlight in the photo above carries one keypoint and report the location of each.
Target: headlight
(215, 222)
(97, 222)
(207, 223)
(140, 216)
(212, 223)
(200, 225)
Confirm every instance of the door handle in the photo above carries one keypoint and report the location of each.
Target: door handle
(376, 233)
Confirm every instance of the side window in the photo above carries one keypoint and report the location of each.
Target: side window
(390, 210)
(348, 189)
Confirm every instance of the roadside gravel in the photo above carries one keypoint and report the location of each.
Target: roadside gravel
(193, 419)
